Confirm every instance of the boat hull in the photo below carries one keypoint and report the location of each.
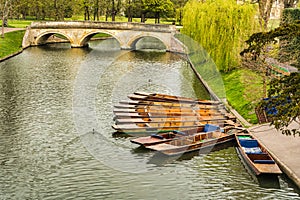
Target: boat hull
(258, 160)
(173, 149)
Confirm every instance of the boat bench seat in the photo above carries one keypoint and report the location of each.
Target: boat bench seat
(179, 132)
(157, 136)
(253, 150)
(248, 143)
(264, 161)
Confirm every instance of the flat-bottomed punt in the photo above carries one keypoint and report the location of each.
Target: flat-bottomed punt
(192, 143)
(256, 156)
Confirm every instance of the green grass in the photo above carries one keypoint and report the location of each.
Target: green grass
(18, 23)
(14, 23)
(243, 92)
(11, 43)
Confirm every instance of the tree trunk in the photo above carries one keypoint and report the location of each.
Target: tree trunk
(129, 14)
(265, 7)
(2, 26)
(143, 18)
(113, 12)
(106, 16)
(86, 13)
(180, 17)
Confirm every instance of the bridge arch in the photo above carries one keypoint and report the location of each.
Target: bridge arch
(86, 38)
(133, 42)
(44, 36)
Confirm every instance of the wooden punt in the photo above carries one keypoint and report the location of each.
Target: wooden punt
(134, 104)
(157, 106)
(165, 137)
(192, 143)
(143, 115)
(165, 111)
(147, 128)
(168, 98)
(150, 120)
(132, 129)
(255, 155)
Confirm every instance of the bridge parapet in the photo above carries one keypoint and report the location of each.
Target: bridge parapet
(104, 25)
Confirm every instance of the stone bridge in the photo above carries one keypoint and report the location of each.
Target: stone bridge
(79, 33)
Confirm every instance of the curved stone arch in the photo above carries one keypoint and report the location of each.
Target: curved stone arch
(44, 36)
(132, 42)
(87, 37)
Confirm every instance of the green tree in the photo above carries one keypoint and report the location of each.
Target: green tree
(5, 6)
(179, 7)
(284, 93)
(221, 27)
(158, 7)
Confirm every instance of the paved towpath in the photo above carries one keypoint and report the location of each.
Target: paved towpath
(6, 30)
(285, 149)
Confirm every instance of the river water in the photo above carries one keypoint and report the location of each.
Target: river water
(56, 140)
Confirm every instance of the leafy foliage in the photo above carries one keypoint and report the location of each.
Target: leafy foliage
(287, 102)
(284, 93)
(220, 26)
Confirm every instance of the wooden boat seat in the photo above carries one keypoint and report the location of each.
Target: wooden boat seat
(259, 156)
(157, 136)
(264, 161)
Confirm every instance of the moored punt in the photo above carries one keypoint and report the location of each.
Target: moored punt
(119, 115)
(150, 120)
(135, 104)
(133, 129)
(255, 155)
(166, 110)
(165, 137)
(192, 143)
(168, 98)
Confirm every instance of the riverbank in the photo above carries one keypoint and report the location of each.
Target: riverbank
(11, 44)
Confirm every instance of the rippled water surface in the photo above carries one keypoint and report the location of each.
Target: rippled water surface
(56, 139)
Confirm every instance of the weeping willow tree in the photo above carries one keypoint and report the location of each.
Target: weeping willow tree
(221, 27)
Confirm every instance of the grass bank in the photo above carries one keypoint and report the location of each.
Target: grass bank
(11, 43)
(243, 91)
